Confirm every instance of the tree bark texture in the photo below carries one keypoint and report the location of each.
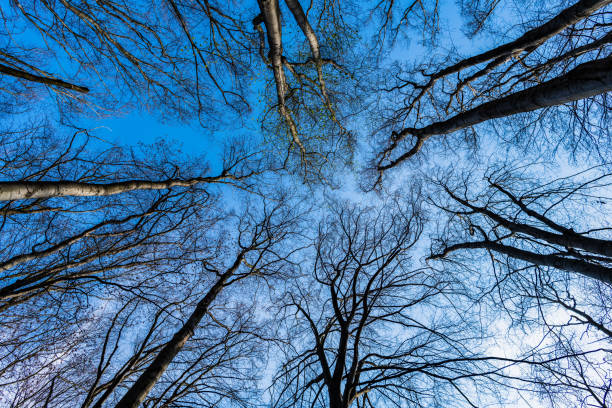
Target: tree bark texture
(591, 270)
(532, 38)
(23, 190)
(568, 238)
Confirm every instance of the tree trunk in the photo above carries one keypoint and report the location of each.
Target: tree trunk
(567, 239)
(586, 80)
(532, 38)
(139, 390)
(270, 12)
(302, 21)
(271, 16)
(24, 190)
(585, 268)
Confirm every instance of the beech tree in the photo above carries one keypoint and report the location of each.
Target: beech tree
(135, 304)
(259, 252)
(149, 277)
(84, 267)
(370, 329)
(520, 222)
(196, 59)
(52, 185)
(557, 62)
(549, 267)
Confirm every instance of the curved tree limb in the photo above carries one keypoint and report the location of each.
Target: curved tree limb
(586, 80)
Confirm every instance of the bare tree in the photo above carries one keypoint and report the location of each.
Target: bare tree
(127, 279)
(542, 238)
(52, 187)
(136, 317)
(511, 219)
(258, 252)
(367, 328)
(145, 52)
(196, 60)
(560, 61)
(103, 267)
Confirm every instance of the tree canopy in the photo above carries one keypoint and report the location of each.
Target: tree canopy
(394, 203)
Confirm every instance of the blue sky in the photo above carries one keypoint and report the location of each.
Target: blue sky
(141, 126)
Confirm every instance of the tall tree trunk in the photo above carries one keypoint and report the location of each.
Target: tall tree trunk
(271, 17)
(532, 38)
(568, 238)
(34, 254)
(586, 80)
(139, 390)
(302, 21)
(23, 190)
(270, 12)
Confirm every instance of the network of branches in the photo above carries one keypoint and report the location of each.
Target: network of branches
(394, 203)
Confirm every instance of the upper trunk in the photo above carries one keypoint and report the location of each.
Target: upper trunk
(139, 390)
(40, 79)
(23, 190)
(532, 38)
(589, 269)
(586, 80)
